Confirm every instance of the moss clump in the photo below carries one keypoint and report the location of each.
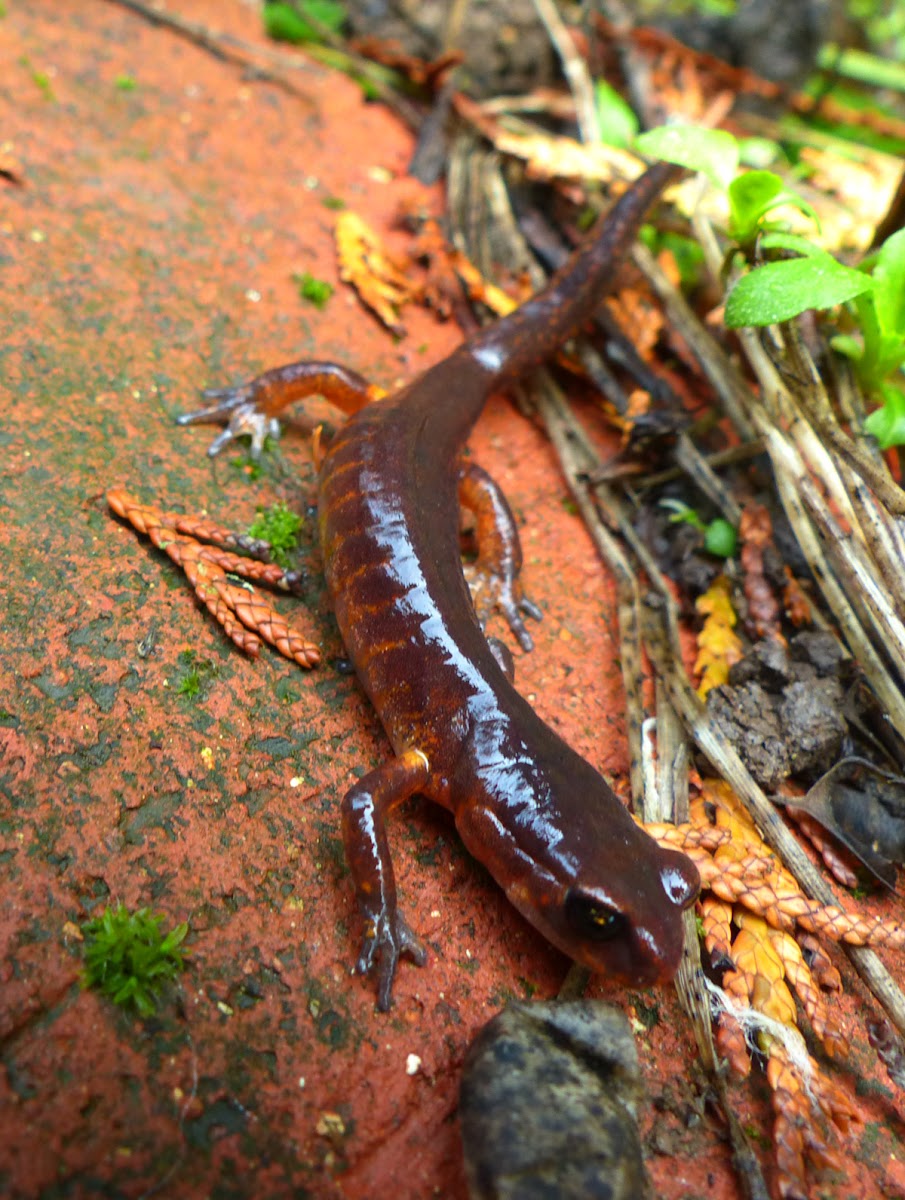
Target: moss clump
(128, 958)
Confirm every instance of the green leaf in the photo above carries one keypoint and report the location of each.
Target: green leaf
(752, 196)
(711, 151)
(618, 122)
(887, 423)
(720, 538)
(286, 22)
(780, 240)
(889, 280)
(778, 291)
(844, 343)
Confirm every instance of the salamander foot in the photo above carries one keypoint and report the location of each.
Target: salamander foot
(241, 407)
(386, 938)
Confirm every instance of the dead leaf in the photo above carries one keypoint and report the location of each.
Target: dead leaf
(382, 282)
(719, 647)
(864, 808)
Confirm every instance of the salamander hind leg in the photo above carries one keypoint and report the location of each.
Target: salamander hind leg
(493, 576)
(364, 810)
(252, 408)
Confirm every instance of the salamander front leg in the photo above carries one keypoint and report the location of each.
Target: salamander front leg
(364, 810)
(493, 577)
(252, 408)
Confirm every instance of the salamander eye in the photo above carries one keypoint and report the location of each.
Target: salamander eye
(592, 917)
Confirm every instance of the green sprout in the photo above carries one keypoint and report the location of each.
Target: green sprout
(190, 684)
(129, 959)
(315, 291)
(720, 537)
(41, 79)
(878, 357)
(754, 194)
(193, 673)
(279, 527)
(618, 122)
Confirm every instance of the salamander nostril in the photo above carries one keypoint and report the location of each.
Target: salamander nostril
(680, 880)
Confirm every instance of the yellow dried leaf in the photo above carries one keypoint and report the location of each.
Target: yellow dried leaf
(481, 289)
(718, 646)
(549, 156)
(381, 281)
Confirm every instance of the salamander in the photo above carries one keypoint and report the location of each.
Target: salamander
(544, 822)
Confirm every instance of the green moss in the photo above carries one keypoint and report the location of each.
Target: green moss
(129, 959)
(315, 291)
(278, 526)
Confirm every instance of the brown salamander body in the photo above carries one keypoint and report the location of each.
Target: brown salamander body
(544, 822)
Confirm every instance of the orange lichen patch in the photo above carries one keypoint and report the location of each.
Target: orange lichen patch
(441, 291)
(719, 646)
(640, 319)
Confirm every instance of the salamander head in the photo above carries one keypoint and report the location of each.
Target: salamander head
(628, 926)
(616, 907)
(573, 862)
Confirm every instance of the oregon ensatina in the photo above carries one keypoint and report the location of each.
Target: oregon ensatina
(544, 822)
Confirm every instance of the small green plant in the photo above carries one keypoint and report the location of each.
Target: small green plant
(129, 959)
(125, 83)
(879, 355)
(720, 537)
(784, 287)
(279, 527)
(193, 672)
(250, 467)
(190, 684)
(780, 290)
(315, 291)
(777, 290)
